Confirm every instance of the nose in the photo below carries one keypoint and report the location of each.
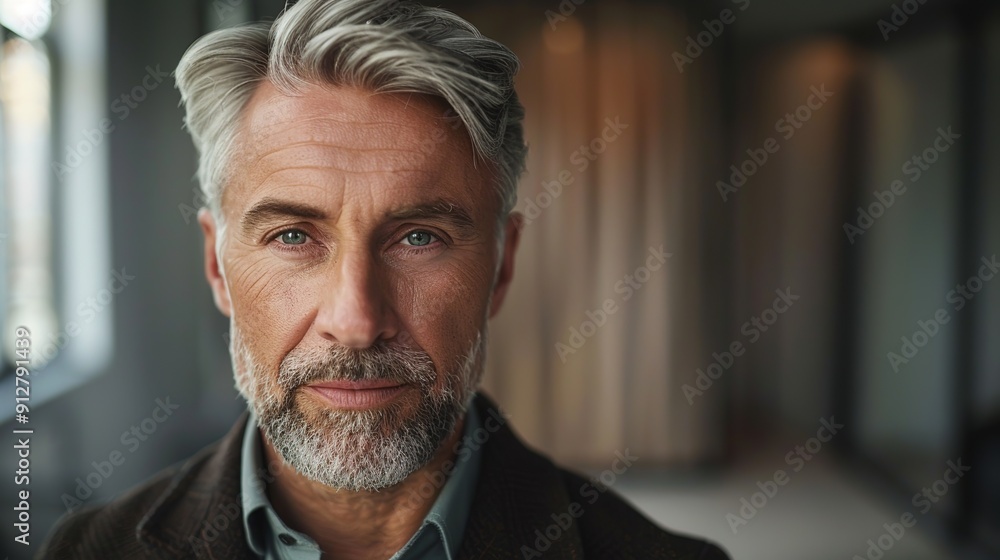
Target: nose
(354, 309)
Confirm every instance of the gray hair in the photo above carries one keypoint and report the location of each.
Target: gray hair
(381, 45)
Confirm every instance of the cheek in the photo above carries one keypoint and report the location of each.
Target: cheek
(269, 307)
(443, 311)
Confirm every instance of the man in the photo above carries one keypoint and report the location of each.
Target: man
(360, 161)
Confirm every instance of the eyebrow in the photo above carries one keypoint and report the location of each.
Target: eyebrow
(270, 209)
(441, 209)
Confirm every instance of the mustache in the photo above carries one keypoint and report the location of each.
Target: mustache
(381, 362)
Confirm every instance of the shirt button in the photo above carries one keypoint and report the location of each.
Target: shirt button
(287, 539)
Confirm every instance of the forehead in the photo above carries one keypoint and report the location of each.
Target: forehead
(336, 137)
(330, 113)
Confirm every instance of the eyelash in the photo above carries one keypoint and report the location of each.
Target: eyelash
(412, 249)
(417, 249)
(288, 247)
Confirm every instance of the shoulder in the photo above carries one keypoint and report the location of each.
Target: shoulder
(611, 527)
(523, 492)
(110, 530)
(95, 530)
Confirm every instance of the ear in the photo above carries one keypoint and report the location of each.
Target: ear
(511, 238)
(213, 273)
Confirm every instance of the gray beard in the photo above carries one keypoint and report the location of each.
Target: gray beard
(357, 450)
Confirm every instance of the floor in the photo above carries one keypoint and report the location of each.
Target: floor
(818, 514)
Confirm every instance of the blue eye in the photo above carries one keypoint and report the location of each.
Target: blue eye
(293, 237)
(419, 238)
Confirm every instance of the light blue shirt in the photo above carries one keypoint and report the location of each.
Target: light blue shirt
(439, 536)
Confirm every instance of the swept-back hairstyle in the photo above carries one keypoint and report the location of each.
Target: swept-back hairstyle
(381, 45)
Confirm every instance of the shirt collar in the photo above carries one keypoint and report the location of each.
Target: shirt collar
(447, 517)
(258, 515)
(450, 511)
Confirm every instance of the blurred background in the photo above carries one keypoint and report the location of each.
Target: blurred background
(791, 206)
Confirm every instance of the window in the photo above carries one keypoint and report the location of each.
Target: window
(25, 227)
(55, 254)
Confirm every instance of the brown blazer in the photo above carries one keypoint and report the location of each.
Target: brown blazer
(194, 511)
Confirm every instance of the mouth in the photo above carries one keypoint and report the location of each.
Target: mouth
(358, 395)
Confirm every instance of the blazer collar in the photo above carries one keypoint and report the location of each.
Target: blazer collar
(199, 514)
(520, 495)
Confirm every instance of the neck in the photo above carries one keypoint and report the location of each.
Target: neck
(362, 524)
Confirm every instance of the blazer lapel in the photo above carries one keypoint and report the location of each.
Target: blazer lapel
(200, 515)
(519, 498)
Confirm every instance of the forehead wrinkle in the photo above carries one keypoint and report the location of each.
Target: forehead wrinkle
(322, 144)
(299, 121)
(267, 177)
(332, 167)
(346, 159)
(271, 107)
(264, 181)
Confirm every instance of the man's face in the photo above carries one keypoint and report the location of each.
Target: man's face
(358, 264)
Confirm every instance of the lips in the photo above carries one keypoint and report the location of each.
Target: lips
(358, 394)
(357, 385)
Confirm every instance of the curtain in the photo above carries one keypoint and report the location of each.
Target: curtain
(613, 182)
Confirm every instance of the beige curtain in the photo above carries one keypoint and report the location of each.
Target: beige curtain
(622, 388)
